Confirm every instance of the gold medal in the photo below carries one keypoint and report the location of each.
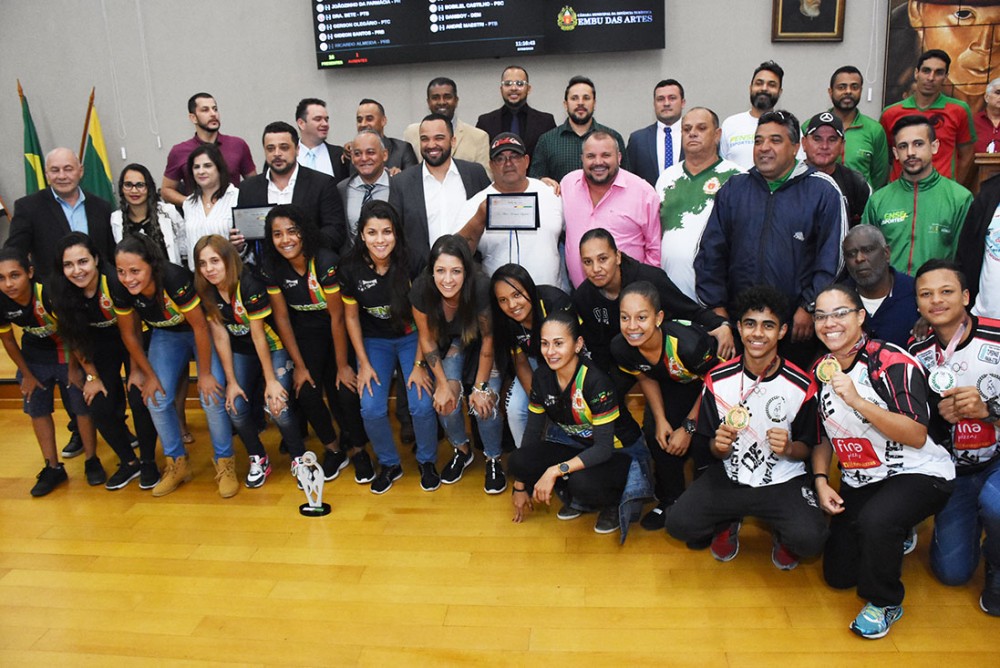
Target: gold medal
(826, 369)
(738, 417)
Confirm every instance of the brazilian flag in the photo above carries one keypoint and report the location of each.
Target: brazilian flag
(34, 164)
(94, 157)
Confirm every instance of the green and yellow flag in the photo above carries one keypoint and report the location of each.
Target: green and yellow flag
(94, 157)
(34, 163)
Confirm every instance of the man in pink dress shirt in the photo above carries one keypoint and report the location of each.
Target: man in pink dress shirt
(604, 195)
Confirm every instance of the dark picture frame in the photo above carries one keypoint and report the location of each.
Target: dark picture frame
(790, 24)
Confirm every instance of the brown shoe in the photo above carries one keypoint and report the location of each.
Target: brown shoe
(225, 475)
(175, 472)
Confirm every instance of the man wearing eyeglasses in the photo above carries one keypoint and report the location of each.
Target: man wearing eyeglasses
(516, 115)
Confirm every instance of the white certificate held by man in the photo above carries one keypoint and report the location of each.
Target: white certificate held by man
(512, 211)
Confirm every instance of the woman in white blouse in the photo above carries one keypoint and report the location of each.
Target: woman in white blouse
(143, 212)
(208, 210)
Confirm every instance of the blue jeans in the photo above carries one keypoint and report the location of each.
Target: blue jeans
(973, 506)
(248, 371)
(490, 426)
(382, 355)
(517, 407)
(169, 354)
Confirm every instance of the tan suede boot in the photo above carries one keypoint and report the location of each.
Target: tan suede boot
(175, 472)
(225, 475)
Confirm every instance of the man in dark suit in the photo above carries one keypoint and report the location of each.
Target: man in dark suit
(515, 115)
(314, 151)
(658, 146)
(284, 181)
(43, 218)
(370, 180)
(431, 197)
(371, 116)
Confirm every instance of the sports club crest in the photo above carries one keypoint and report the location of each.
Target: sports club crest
(567, 18)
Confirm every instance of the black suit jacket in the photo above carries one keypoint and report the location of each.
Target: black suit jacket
(641, 154)
(401, 154)
(407, 195)
(315, 192)
(341, 164)
(536, 124)
(39, 223)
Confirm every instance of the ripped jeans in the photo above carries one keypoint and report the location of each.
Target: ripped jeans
(490, 426)
(248, 372)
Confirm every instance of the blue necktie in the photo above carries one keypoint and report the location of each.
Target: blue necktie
(515, 124)
(368, 193)
(668, 148)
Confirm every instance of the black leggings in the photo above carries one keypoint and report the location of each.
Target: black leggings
(110, 357)
(668, 469)
(316, 346)
(599, 486)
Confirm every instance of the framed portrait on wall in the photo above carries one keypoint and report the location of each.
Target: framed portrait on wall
(966, 31)
(807, 21)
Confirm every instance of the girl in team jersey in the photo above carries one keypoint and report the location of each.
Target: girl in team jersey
(89, 326)
(874, 410)
(41, 364)
(162, 295)
(375, 280)
(238, 311)
(587, 453)
(518, 308)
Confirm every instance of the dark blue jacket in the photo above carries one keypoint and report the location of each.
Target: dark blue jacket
(896, 315)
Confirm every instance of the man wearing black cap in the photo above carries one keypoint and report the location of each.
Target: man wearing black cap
(823, 143)
(537, 250)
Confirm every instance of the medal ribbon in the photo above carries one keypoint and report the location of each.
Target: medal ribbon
(956, 338)
(743, 395)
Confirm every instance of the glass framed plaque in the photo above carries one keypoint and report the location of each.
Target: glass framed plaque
(513, 211)
(249, 220)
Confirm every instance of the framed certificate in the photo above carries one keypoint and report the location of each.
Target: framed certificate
(515, 211)
(250, 220)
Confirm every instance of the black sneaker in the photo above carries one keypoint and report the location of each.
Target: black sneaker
(48, 479)
(989, 601)
(429, 478)
(75, 446)
(452, 473)
(95, 472)
(568, 512)
(149, 475)
(496, 481)
(387, 476)
(333, 464)
(364, 471)
(607, 521)
(126, 473)
(655, 519)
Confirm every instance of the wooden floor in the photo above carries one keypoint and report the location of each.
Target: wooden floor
(91, 577)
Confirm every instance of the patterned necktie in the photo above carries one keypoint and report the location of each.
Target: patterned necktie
(369, 188)
(668, 148)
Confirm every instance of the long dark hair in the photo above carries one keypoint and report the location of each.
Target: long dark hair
(503, 326)
(308, 233)
(398, 277)
(152, 205)
(152, 255)
(215, 155)
(456, 246)
(68, 300)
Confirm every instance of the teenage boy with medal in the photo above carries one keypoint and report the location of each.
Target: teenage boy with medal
(968, 409)
(759, 415)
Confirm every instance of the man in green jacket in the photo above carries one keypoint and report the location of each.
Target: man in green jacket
(921, 213)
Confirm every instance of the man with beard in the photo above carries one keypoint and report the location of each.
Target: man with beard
(370, 181)
(314, 151)
(285, 181)
(823, 141)
(888, 295)
(920, 214)
(602, 194)
(656, 147)
(471, 143)
(865, 147)
(558, 150)
(516, 116)
(430, 198)
(204, 114)
(738, 130)
(371, 116)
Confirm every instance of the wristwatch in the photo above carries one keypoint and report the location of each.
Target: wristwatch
(993, 409)
(563, 469)
(483, 387)
(690, 426)
(422, 364)
(91, 377)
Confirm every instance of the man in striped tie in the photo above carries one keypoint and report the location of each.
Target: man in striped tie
(368, 155)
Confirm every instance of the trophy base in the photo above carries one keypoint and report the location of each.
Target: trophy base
(314, 511)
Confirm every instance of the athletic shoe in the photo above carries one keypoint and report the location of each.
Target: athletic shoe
(149, 475)
(333, 464)
(655, 519)
(910, 544)
(568, 512)
(429, 478)
(126, 473)
(782, 558)
(989, 601)
(874, 622)
(225, 475)
(260, 468)
(607, 521)
(496, 481)
(364, 471)
(95, 472)
(726, 543)
(48, 479)
(452, 473)
(75, 446)
(387, 476)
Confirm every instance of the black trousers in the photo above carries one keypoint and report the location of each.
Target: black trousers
(668, 470)
(865, 548)
(110, 356)
(599, 486)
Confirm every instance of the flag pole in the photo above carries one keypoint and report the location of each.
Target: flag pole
(86, 125)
